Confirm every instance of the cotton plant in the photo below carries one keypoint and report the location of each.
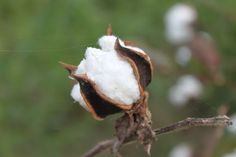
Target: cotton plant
(113, 79)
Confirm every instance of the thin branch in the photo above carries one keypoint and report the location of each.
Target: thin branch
(195, 122)
(218, 121)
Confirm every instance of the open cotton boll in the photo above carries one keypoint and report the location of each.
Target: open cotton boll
(232, 128)
(113, 75)
(186, 88)
(182, 150)
(178, 21)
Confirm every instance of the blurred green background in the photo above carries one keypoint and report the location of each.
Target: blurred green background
(37, 115)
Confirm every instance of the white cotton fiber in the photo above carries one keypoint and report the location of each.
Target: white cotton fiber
(112, 75)
(76, 95)
(107, 42)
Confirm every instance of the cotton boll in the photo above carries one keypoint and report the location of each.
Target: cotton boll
(113, 75)
(111, 79)
(183, 55)
(178, 21)
(76, 95)
(186, 88)
(181, 150)
(232, 128)
(233, 154)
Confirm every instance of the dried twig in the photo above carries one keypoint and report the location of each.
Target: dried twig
(218, 121)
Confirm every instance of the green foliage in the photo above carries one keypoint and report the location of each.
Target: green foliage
(37, 115)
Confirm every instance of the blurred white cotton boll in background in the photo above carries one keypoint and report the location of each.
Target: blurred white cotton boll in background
(232, 128)
(187, 87)
(183, 55)
(178, 22)
(181, 150)
(233, 154)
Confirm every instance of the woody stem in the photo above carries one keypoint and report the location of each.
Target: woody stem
(218, 121)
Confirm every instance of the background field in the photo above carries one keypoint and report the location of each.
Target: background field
(37, 115)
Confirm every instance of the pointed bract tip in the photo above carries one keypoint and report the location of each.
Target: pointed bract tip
(69, 67)
(109, 30)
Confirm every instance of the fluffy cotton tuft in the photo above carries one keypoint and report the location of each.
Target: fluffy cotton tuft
(186, 88)
(178, 21)
(107, 42)
(232, 128)
(181, 150)
(113, 75)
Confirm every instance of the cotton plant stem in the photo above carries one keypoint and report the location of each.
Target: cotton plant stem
(188, 123)
(218, 121)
